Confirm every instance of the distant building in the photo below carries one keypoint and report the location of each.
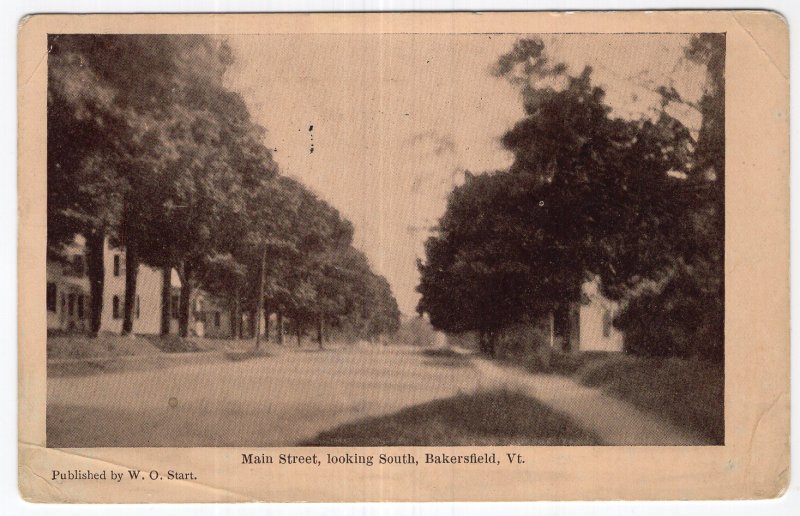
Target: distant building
(211, 318)
(587, 325)
(68, 296)
(147, 306)
(68, 289)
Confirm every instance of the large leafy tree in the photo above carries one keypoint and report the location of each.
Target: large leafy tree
(116, 106)
(352, 298)
(200, 155)
(323, 234)
(182, 114)
(92, 121)
(681, 312)
(479, 270)
(204, 199)
(260, 252)
(612, 190)
(587, 194)
(148, 148)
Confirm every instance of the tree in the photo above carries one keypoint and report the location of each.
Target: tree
(611, 188)
(587, 194)
(682, 313)
(147, 147)
(352, 297)
(382, 312)
(266, 242)
(322, 234)
(481, 272)
(203, 198)
(85, 132)
(123, 111)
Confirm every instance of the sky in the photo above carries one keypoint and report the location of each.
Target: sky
(383, 126)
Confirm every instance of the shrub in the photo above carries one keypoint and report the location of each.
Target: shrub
(684, 317)
(527, 343)
(175, 344)
(416, 331)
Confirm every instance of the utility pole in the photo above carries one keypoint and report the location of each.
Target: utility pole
(260, 297)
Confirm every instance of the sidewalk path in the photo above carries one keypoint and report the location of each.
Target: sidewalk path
(614, 421)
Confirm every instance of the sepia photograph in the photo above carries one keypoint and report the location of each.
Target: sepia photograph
(492, 239)
(403, 257)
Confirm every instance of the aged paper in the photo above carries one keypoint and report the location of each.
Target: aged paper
(403, 257)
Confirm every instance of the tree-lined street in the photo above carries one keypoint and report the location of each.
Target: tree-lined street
(291, 397)
(271, 401)
(152, 153)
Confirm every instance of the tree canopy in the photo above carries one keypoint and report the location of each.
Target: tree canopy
(588, 195)
(147, 147)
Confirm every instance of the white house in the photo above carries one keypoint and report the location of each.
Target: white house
(147, 307)
(210, 318)
(68, 295)
(587, 325)
(68, 289)
(597, 331)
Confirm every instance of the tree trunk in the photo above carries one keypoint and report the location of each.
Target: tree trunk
(298, 330)
(267, 314)
(252, 322)
(320, 324)
(96, 272)
(166, 291)
(186, 297)
(260, 307)
(235, 318)
(131, 273)
(279, 329)
(492, 342)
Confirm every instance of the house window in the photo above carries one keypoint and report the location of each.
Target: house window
(137, 307)
(51, 297)
(116, 264)
(71, 305)
(77, 264)
(607, 321)
(216, 319)
(80, 306)
(63, 304)
(173, 306)
(115, 307)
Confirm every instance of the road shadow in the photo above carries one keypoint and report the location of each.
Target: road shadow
(497, 417)
(238, 355)
(444, 357)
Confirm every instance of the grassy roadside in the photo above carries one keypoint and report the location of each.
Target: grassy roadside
(78, 355)
(497, 417)
(688, 393)
(104, 346)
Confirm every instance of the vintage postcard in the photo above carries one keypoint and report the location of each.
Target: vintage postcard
(403, 257)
